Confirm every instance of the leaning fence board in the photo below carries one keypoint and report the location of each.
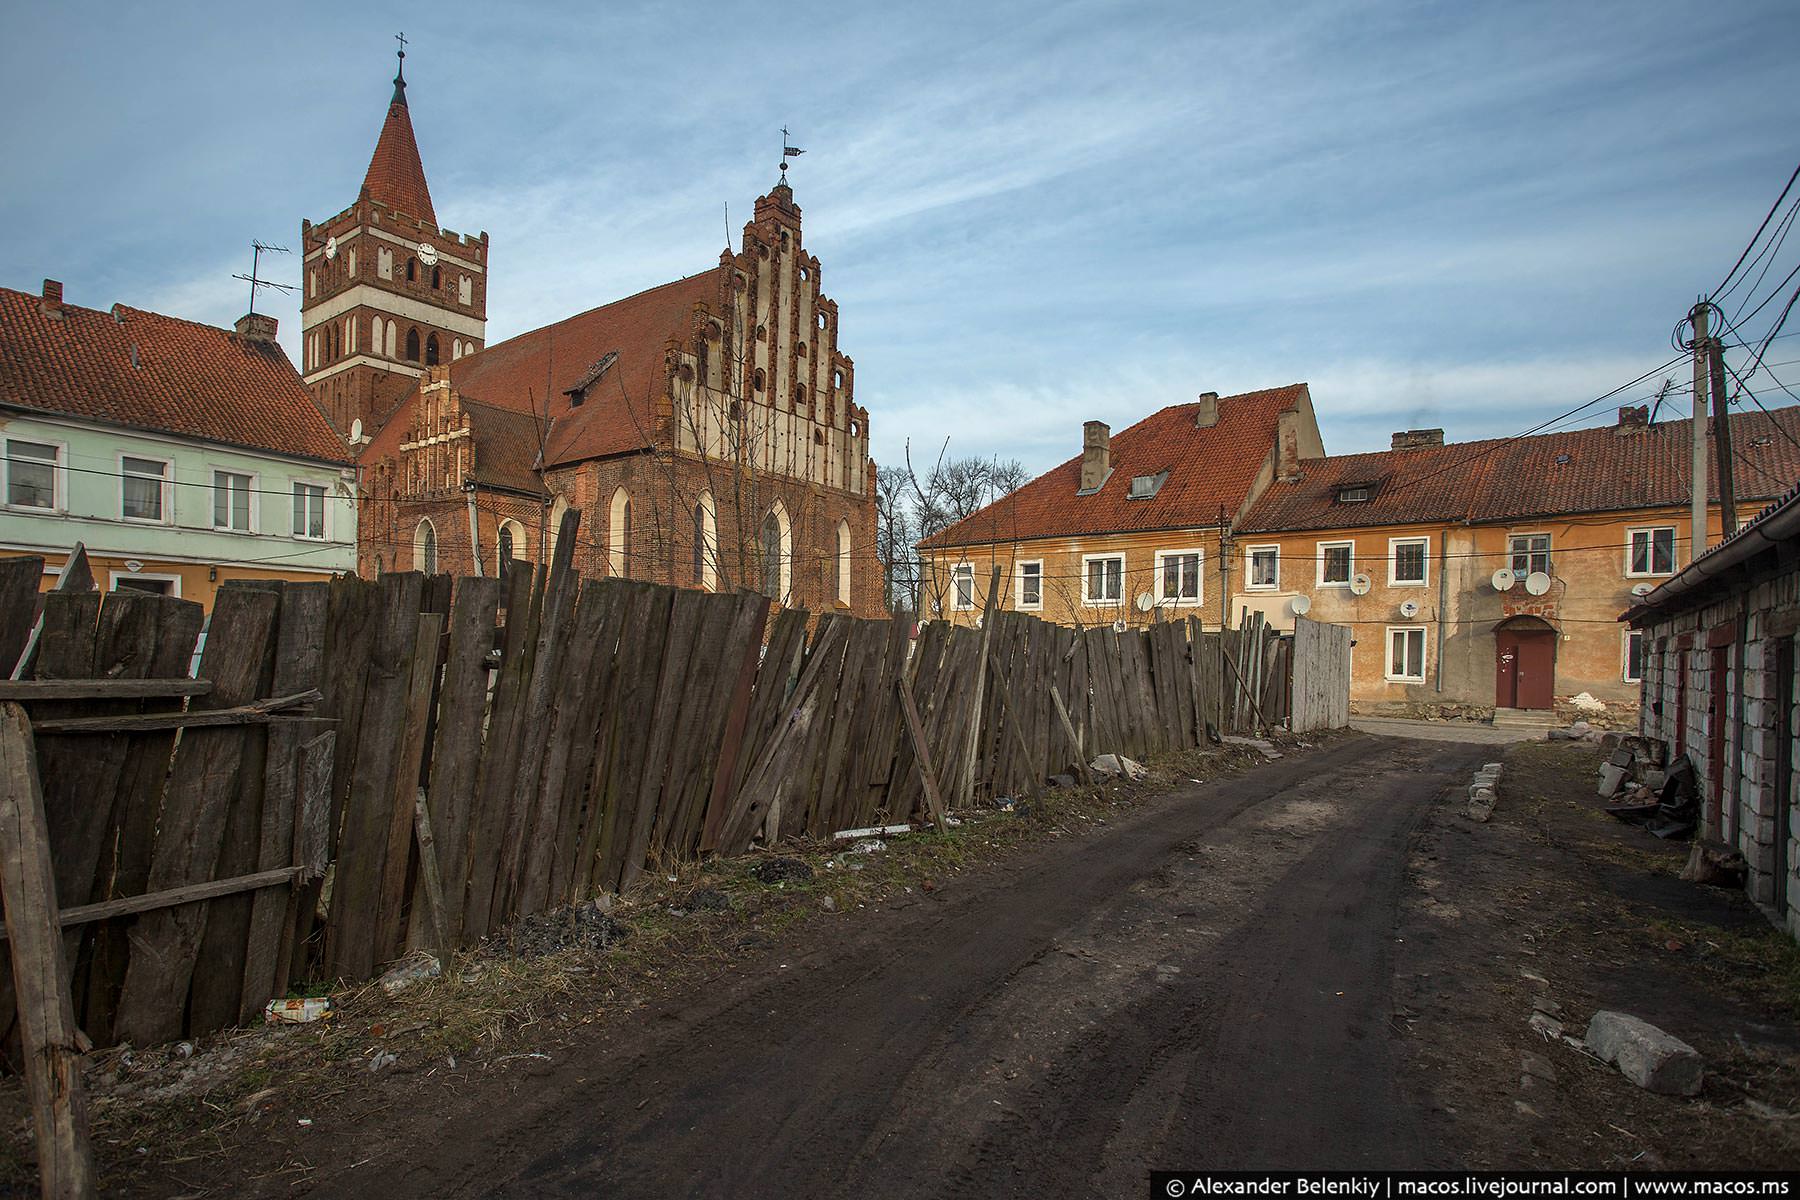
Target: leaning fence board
(456, 751)
(731, 745)
(59, 1107)
(202, 779)
(409, 763)
(499, 755)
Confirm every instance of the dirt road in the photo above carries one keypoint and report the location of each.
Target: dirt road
(1208, 981)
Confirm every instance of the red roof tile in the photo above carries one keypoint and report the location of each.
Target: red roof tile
(1208, 468)
(1503, 479)
(396, 177)
(144, 370)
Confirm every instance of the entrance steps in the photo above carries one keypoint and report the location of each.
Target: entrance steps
(1525, 719)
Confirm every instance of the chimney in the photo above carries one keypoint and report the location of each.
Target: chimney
(1633, 417)
(1207, 415)
(51, 305)
(1412, 439)
(1287, 448)
(1096, 455)
(256, 327)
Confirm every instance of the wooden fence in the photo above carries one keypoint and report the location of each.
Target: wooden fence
(462, 753)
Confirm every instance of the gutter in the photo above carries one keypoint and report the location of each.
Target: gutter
(1780, 524)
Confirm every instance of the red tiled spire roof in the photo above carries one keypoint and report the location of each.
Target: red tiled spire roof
(396, 176)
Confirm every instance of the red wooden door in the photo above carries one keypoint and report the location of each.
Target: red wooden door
(1524, 668)
(1718, 680)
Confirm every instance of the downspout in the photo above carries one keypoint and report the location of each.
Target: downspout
(474, 536)
(1443, 600)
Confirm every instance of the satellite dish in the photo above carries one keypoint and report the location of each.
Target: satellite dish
(1360, 583)
(1409, 608)
(1145, 602)
(1300, 604)
(1641, 589)
(356, 430)
(1504, 579)
(1537, 583)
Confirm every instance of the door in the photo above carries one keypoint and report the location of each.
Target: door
(1784, 766)
(1718, 680)
(1524, 668)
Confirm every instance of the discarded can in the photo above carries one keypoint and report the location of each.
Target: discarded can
(298, 1012)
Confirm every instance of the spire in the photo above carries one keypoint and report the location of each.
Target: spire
(396, 177)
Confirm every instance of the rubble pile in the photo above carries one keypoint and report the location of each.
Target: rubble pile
(1643, 786)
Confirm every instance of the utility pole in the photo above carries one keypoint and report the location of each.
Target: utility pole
(1697, 484)
(1722, 439)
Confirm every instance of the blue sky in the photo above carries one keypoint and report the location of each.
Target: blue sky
(1030, 215)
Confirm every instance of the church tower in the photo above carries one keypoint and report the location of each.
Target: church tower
(385, 292)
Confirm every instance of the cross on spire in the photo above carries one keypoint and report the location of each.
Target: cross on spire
(400, 73)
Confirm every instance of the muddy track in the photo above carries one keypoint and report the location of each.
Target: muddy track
(1208, 981)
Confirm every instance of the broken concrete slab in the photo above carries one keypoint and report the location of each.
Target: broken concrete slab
(1115, 766)
(1655, 1061)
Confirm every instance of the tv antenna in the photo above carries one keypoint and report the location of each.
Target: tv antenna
(258, 249)
(787, 152)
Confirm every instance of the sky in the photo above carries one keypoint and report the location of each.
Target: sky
(1031, 215)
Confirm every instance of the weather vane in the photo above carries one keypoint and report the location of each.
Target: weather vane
(787, 152)
(254, 280)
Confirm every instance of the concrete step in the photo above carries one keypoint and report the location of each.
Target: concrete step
(1525, 718)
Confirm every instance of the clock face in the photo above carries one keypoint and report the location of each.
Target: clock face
(428, 254)
(331, 247)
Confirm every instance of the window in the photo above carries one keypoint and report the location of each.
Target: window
(1145, 487)
(412, 345)
(618, 535)
(1652, 551)
(1634, 655)
(1335, 563)
(31, 474)
(142, 482)
(843, 563)
(1103, 579)
(1529, 552)
(425, 556)
(1355, 493)
(1406, 560)
(507, 546)
(1264, 568)
(1031, 584)
(412, 270)
(156, 585)
(231, 501)
(309, 512)
(431, 351)
(771, 556)
(706, 542)
(437, 278)
(962, 586)
(1406, 654)
(1178, 576)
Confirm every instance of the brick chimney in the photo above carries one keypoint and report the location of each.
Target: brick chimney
(51, 304)
(1633, 417)
(1207, 415)
(256, 327)
(1096, 455)
(1412, 439)
(1287, 447)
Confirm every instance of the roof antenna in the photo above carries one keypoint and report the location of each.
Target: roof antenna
(787, 152)
(400, 74)
(254, 280)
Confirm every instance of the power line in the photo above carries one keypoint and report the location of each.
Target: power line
(1757, 236)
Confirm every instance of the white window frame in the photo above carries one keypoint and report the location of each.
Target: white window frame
(250, 513)
(1199, 597)
(1019, 585)
(1549, 551)
(168, 489)
(1387, 652)
(957, 572)
(1625, 655)
(1393, 559)
(174, 581)
(324, 510)
(1102, 602)
(1651, 531)
(1320, 547)
(1250, 553)
(59, 475)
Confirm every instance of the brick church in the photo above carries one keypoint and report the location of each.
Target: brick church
(706, 428)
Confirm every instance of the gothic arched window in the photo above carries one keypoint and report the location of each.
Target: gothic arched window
(776, 540)
(425, 547)
(412, 345)
(508, 540)
(618, 535)
(437, 278)
(431, 351)
(412, 269)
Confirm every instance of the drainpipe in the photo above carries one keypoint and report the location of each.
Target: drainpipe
(1443, 599)
(474, 536)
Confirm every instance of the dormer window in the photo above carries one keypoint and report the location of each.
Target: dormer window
(1143, 487)
(1354, 493)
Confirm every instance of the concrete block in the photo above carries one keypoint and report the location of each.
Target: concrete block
(1494, 769)
(1610, 778)
(1481, 792)
(1654, 1060)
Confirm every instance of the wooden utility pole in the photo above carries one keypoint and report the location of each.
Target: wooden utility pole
(1722, 439)
(1697, 484)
